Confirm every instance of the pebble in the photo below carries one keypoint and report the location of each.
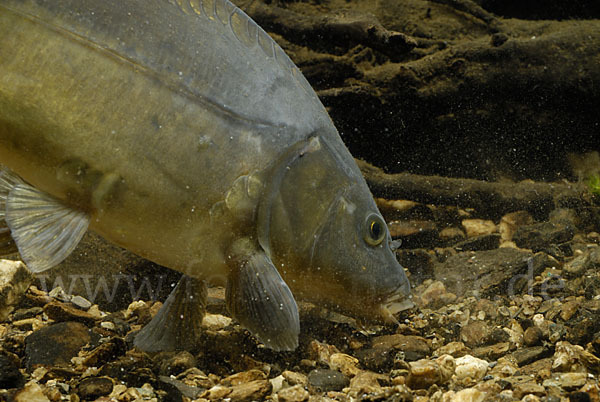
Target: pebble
(478, 227)
(31, 392)
(470, 367)
(294, 378)
(532, 336)
(567, 381)
(55, 344)
(324, 380)
(573, 358)
(59, 311)
(492, 352)
(413, 347)
(297, 393)
(81, 302)
(475, 333)
(178, 388)
(538, 236)
(436, 295)
(346, 364)
(378, 359)
(425, 373)
(25, 313)
(321, 352)
(528, 355)
(243, 377)
(465, 395)
(10, 376)
(215, 322)
(511, 221)
(15, 278)
(528, 388)
(176, 363)
(367, 382)
(59, 294)
(256, 390)
(94, 387)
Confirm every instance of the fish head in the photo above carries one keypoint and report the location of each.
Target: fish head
(325, 235)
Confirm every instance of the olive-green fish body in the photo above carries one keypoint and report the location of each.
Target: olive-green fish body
(182, 132)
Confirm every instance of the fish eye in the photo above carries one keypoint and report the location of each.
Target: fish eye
(374, 230)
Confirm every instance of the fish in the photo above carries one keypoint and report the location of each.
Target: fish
(180, 131)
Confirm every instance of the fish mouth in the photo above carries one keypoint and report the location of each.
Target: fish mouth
(397, 301)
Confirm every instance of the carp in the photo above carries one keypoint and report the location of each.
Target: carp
(181, 131)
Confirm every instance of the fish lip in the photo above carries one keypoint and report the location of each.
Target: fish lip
(396, 301)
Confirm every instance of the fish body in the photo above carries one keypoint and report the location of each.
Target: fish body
(182, 132)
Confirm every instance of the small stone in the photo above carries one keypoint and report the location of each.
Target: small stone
(452, 235)
(509, 223)
(539, 235)
(524, 356)
(454, 349)
(425, 373)
(81, 302)
(243, 377)
(376, 359)
(466, 395)
(215, 322)
(478, 227)
(216, 393)
(367, 382)
(59, 294)
(469, 367)
(532, 336)
(346, 364)
(94, 387)
(177, 363)
(324, 380)
(297, 393)
(179, 387)
(251, 391)
(573, 358)
(528, 388)
(294, 378)
(492, 352)
(571, 381)
(108, 325)
(10, 376)
(413, 347)
(415, 233)
(15, 278)
(60, 312)
(475, 333)
(31, 392)
(569, 308)
(321, 352)
(23, 314)
(55, 344)
(436, 295)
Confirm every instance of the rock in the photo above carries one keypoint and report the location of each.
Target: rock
(475, 333)
(25, 313)
(484, 242)
(573, 358)
(511, 221)
(215, 322)
(297, 393)
(491, 272)
(569, 308)
(528, 388)
(539, 369)
(465, 395)
(376, 359)
(413, 347)
(59, 294)
(216, 393)
(105, 352)
(478, 227)
(180, 388)
(469, 367)
(321, 352)
(532, 336)
(10, 376)
(81, 302)
(173, 364)
(525, 356)
(415, 233)
(452, 235)
(92, 388)
(367, 382)
(324, 380)
(243, 377)
(15, 278)
(55, 344)
(31, 392)
(60, 312)
(454, 349)
(539, 235)
(436, 295)
(425, 373)
(346, 364)
(294, 378)
(567, 381)
(256, 390)
(492, 352)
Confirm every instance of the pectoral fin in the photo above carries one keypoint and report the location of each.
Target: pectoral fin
(44, 230)
(177, 324)
(261, 301)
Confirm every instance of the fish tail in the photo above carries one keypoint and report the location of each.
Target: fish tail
(8, 180)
